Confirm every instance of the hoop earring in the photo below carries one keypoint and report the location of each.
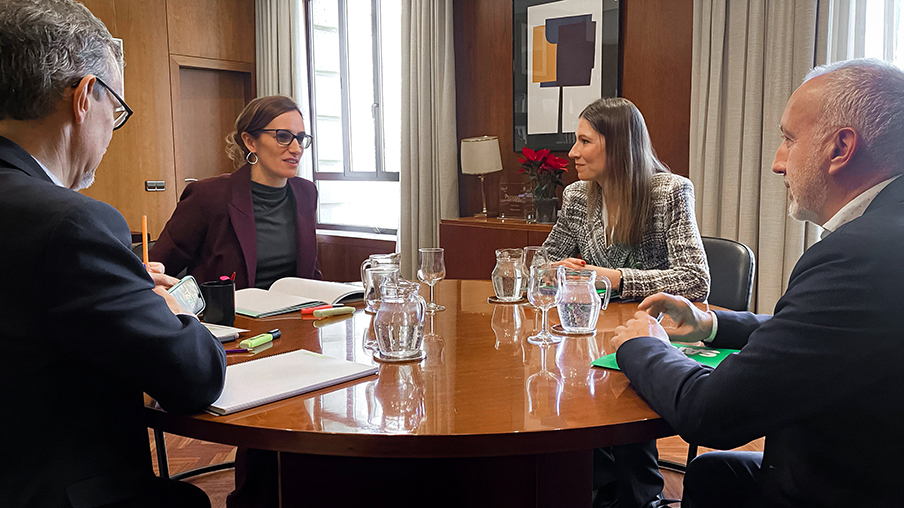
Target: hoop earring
(248, 158)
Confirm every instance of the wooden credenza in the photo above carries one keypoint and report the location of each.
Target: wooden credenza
(470, 243)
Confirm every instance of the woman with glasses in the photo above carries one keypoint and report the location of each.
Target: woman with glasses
(258, 221)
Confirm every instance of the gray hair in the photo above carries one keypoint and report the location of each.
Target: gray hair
(45, 46)
(867, 95)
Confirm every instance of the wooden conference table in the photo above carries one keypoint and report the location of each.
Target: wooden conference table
(479, 422)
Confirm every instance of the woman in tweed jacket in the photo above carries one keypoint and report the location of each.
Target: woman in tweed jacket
(631, 220)
(628, 218)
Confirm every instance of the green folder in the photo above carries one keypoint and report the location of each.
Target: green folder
(705, 355)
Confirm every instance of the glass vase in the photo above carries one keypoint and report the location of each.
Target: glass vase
(546, 210)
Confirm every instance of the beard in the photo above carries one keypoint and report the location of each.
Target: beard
(811, 196)
(85, 181)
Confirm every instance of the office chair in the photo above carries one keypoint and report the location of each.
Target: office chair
(137, 248)
(163, 466)
(731, 270)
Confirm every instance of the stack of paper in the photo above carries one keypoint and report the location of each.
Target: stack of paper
(278, 377)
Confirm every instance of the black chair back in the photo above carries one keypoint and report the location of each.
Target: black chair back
(731, 270)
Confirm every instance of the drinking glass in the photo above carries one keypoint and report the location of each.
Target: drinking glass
(430, 270)
(543, 293)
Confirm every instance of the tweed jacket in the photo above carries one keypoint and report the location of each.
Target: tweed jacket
(670, 257)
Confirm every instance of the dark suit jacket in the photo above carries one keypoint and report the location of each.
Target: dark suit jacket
(821, 379)
(212, 231)
(83, 336)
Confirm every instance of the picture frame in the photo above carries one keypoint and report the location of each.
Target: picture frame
(565, 55)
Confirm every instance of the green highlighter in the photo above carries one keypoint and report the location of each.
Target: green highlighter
(260, 339)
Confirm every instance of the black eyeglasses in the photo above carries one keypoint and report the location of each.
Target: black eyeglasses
(122, 112)
(284, 137)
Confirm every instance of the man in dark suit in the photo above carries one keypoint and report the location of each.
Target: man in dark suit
(84, 328)
(821, 378)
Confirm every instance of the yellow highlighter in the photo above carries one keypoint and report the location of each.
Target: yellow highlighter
(260, 339)
(336, 311)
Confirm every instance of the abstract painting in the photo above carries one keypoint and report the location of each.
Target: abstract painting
(566, 56)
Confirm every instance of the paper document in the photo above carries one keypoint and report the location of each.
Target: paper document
(278, 377)
(705, 355)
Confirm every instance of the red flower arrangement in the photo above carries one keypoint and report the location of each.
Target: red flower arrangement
(544, 170)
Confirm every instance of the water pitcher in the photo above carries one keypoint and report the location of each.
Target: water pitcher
(399, 323)
(580, 304)
(381, 260)
(508, 275)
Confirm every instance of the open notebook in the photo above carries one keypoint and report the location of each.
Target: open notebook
(293, 293)
(281, 376)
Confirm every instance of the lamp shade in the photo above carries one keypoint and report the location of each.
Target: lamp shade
(480, 155)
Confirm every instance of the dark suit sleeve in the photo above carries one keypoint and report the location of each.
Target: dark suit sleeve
(832, 339)
(102, 298)
(179, 245)
(735, 328)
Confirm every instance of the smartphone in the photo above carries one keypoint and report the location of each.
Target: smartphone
(188, 294)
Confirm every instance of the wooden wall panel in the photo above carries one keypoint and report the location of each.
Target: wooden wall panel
(219, 29)
(657, 39)
(340, 257)
(143, 148)
(657, 50)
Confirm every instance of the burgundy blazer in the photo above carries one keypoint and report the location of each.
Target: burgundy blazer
(212, 231)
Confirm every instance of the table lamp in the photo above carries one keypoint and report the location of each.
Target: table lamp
(480, 156)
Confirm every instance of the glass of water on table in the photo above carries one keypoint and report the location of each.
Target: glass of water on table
(543, 293)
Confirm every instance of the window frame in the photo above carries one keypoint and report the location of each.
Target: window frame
(376, 108)
(379, 174)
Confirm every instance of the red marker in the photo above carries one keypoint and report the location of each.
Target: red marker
(310, 310)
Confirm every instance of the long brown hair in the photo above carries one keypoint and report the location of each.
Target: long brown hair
(631, 164)
(256, 115)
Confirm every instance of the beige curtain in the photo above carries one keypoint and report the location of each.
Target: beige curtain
(281, 56)
(749, 56)
(429, 169)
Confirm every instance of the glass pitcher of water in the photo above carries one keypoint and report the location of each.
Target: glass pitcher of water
(580, 304)
(399, 323)
(508, 275)
(393, 260)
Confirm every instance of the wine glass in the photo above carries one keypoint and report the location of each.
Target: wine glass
(430, 270)
(543, 293)
(533, 256)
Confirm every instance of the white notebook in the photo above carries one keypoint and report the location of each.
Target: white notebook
(293, 293)
(258, 382)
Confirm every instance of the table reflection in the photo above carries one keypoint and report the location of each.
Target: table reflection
(509, 325)
(544, 389)
(398, 399)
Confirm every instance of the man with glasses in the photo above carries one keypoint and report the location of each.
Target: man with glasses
(86, 329)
